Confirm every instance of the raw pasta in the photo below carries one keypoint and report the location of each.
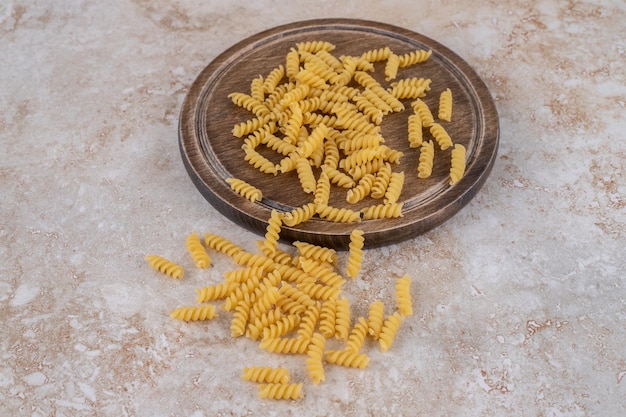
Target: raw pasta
(355, 256)
(206, 312)
(198, 253)
(166, 266)
(403, 296)
(244, 189)
(445, 105)
(457, 164)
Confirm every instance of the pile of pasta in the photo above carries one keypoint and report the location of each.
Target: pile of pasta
(291, 302)
(320, 115)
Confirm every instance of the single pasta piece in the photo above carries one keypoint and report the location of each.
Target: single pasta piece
(441, 136)
(342, 318)
(445, 105)
(314, 361)
(256, 88)
(320, 253)
(278, 391)
(273, 79)
(357, 335)
(415, 131)
(206, 312)
(375, 318)
(414, 57)
(315, 46)
(215, 292)
(272, 232)
(427, 155)
(327, 318)
(347, 358)
(355, 254)
(322, 189)
(221, 244)
(388, 331)
(244, 189)
(394, 188)
(265, 374)
(165, 266)
(420, 108)
(197, 251)
(403, 296)
(391, 67)
(340, 215)
(299, 215)
(457, 163)
(382, 211)
(305, 175)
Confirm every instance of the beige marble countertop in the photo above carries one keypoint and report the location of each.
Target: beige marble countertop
(519, 299)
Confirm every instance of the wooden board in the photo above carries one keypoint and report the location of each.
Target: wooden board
(211, 153)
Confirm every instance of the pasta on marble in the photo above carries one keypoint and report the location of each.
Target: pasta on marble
(165, 266)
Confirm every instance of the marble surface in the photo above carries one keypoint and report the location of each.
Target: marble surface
(519, 298)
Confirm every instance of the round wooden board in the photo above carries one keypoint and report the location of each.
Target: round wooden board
(211, 153)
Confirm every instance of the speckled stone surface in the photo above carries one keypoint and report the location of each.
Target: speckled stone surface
(519, 299)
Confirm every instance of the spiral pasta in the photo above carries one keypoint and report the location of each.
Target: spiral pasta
(355, 256)
(347, 358)
(441, 136)
(198, 253)
(273, 79)
(375, 318)
(327, 318)
(265, 374)
(244, 189)
(403, 296)
(299, 215)
(251, 104)
(165, 266)
(414, 57)
(420, 108)
(457, 163)
(445, 105)
(357, 335)
(340, 215)
(342, 318)
(415, 135)
(286, 345)
(388, 331)
(272, 232)
(206, 312)
(382, 211)
(394, 188)
(278, 391)
(214, 292)
(314, 360)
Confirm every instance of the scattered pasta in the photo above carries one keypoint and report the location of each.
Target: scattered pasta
(165, 266)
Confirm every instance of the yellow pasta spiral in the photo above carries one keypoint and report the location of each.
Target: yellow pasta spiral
(415, 135)
(388, 331)
(340, 215)
(342, 318)
(299, 215)
(165, 266)
(359, 157)
(375, 318)
(311, 251)
(256, 89)
(298, 93)
(214, 292)
(327, 318)
(394, 188)
(292, 64)
(240, 319)
(441, 136)
(319, 291)
(355, 253)
(414, 57)
(206, 312)
(382, 211)
(296, 294)
(265, 374)
(221, 244)
(457, 163)
(273, 78)
(305, 175)
(362, 189)
(293, 345)
(322, 189)
(284, 325)
(310, 79)
(376, 55)
(261, 321)
(403, 296)
(315, 46)
(347, 358)
(278, 391)
(248, 126)
(427, 155)
(339, 178)
(260, 162)
(272, 231)
(357, 335)
(391, 67)
(244, 189)
(250, 103)
(381, 182)
(445, 105)
(315, 355)
(420, 108)
(309, 322)
(197, 251)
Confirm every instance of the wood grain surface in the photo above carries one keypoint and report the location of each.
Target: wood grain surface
(211, 153)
